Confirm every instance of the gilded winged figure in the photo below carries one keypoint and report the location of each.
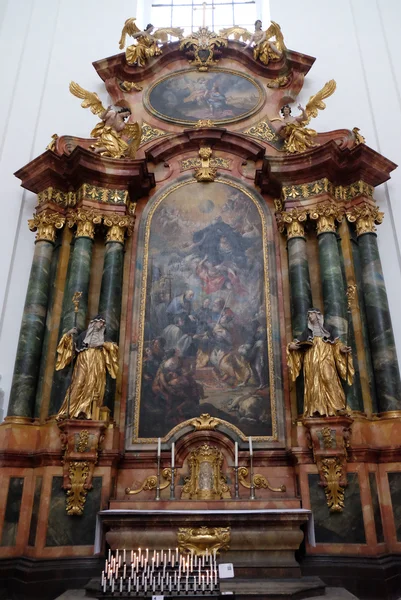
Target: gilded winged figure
(147, 41)
(293, 130)
(115, 137)
(264, 49)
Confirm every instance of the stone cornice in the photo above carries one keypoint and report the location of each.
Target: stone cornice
(215, 137)
(340, 166)
(68, 172)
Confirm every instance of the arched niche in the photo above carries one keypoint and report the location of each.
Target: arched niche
(206, 313)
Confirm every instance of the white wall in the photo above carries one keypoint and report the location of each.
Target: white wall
(44, 44)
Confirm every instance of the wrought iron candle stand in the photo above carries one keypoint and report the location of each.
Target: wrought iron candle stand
(167, 573)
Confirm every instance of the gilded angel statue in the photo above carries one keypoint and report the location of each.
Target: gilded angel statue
(114, 136)
(264, 49)
(146, 41)
(293, 130)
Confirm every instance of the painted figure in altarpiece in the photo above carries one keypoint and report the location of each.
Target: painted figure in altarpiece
(206, 308)
(94, 356)
(325, 359)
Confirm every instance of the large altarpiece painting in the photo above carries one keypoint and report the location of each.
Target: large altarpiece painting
(206, 289)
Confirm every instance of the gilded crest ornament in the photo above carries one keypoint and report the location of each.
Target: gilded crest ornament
(199, 539)
(202, 45)
(205, 171)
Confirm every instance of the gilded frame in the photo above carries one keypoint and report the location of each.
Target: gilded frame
(273, 341)
(151, 110)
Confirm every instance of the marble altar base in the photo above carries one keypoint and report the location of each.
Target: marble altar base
(263, 541)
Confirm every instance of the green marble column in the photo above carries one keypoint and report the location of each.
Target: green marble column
(381, 337)
(26, 370)
(110, 296)
(78, 281)
(333, 287)
(300, 287)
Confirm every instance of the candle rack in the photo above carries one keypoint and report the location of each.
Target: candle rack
(129, 574)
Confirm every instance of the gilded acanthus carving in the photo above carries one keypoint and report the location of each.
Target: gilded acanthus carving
(365, 217)
(205, 422)
(329, 441)
(150, 133)
(85, 220)
(199, 539)
(81, 445)
(326, 216)
(46, 223)
(102, 195)
(56, 196)
(117, 225)
(324, 186)
(262, 131)
(202, 45)
(195, 163)
(205, 172)
(292, 222)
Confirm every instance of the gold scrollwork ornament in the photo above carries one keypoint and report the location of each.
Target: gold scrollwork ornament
(365, 217)
(46, 224)
(292, 222)
(203, 44)
(77, 492)
(259, 481)
(333, 473)
(325, 216)
(150, 483)
(85, 220)
(205, 172)
(197, 540)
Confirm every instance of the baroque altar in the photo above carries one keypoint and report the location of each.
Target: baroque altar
(206, 343)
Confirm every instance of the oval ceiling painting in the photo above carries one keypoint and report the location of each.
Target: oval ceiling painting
(220, 95)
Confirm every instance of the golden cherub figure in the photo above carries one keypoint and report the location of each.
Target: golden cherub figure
(147, 41)
(293, 130)
(115, 137)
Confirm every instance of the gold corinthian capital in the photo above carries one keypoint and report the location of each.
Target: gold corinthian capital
(326, 216)
(292, 222)
(116, 227)
(85, 220)
(45, 224)
(365, 217)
